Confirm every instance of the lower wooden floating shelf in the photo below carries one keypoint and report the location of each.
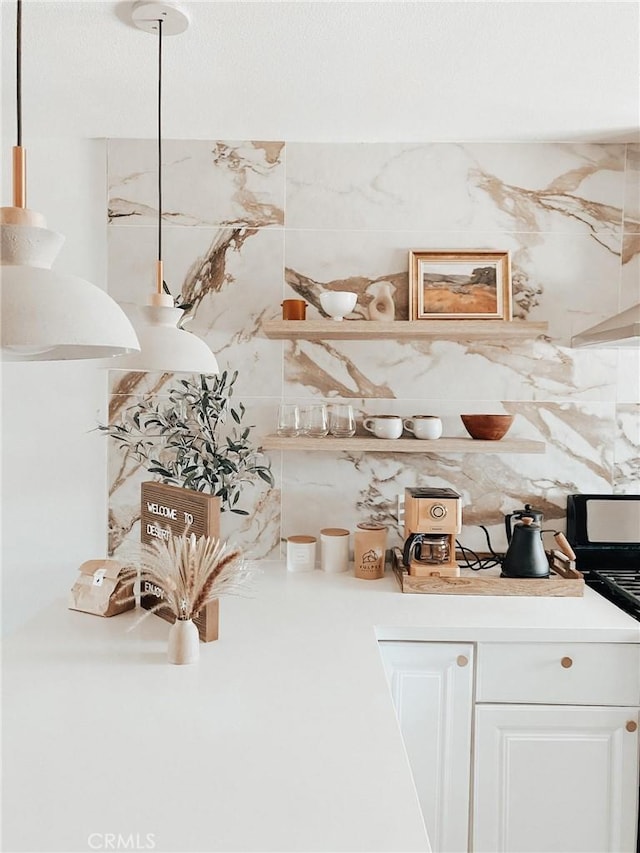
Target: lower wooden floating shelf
(561, 582)
(366, 444)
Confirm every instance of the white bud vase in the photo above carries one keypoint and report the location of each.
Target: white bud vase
(184, 642)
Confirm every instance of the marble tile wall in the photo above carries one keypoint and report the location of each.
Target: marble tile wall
(248, 223)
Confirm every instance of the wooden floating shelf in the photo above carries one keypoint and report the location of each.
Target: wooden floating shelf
(403, 330)
(362, 444)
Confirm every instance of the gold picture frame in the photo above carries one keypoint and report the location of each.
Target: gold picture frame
(466, 284)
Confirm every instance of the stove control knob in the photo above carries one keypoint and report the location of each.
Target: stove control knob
(566, 663)
(438, 511)
(631, 726)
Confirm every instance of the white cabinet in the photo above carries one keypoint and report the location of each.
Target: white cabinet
(558, 779)
(548, 735)
(555, 771)
(432, 689)
(559, 673)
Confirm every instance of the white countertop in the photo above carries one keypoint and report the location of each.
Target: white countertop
(282, 737)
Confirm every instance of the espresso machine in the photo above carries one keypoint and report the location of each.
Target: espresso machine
(432, 520)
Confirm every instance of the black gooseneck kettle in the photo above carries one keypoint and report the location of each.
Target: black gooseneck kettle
(525, 557)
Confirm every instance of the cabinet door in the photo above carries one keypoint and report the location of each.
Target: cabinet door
(431, 685)
(555, 779)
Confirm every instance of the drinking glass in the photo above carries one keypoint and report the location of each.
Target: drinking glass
(313, 420)
(288, 419)
(342, 422)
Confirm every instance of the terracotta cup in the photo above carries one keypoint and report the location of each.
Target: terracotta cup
(294, 309)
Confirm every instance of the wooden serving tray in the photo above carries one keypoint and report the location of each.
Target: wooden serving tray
(564, 581)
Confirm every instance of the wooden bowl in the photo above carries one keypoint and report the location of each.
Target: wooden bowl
(487, 427)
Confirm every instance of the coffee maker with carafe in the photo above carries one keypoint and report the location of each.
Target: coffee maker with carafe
(525, 557)
(432, 518)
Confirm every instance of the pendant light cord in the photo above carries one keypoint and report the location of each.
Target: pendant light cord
(159, 140)
(19, 72)
(19, 155)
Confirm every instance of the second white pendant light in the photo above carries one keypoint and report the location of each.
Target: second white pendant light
(164, 347)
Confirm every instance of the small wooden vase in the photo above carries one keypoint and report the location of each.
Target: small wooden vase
(184, 642)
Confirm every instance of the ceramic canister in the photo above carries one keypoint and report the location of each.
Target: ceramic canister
(301, 553)
(334, 549)
(370, 544)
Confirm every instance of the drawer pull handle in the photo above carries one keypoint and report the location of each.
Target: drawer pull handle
(462, 660)
(631, 726)
(566, 663)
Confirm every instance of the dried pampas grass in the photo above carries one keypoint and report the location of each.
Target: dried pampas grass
(191, 571)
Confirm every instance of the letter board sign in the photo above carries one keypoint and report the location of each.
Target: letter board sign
(178, 511)
(166, 510)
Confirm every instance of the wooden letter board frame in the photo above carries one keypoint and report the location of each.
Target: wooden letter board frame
(179, 510)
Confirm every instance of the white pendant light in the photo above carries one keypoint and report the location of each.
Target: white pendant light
(164, 346)
(47, 315)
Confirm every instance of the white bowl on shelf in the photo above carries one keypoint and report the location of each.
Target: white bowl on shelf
(337, 303)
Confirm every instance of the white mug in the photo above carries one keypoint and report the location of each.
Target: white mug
(424, 426)
(384, 426)
(334, 549)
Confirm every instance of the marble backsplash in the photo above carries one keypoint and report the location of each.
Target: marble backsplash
(249, 223)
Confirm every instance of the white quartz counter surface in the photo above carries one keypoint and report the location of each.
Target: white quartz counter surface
(282, 737)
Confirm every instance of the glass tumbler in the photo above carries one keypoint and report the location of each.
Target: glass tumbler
(288, 420)
(342, 422)
(313, 420)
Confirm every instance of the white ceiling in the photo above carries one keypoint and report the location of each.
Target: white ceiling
(332, 71)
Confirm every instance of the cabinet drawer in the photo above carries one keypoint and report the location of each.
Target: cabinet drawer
(559, 673)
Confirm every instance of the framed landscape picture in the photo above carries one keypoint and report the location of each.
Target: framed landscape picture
(460, 285)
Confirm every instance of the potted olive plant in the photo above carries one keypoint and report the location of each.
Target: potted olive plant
(194, 438)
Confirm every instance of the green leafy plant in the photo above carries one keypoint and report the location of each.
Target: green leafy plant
(195, 439)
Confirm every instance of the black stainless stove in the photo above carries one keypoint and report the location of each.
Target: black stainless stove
(621, 586)
(604, 531)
